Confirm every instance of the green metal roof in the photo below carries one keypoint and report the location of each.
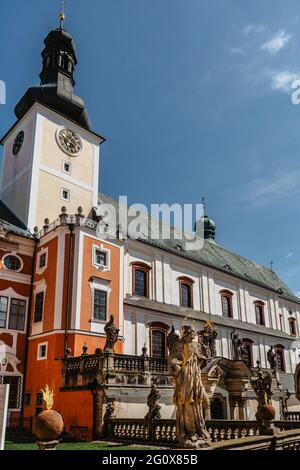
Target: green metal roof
(10, 222)
(217, 257)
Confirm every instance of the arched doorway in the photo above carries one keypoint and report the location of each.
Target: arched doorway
(217, 408)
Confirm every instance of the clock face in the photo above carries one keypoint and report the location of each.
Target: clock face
(18, 142)
(69, 142)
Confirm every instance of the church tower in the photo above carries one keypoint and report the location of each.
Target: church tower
(51, 155)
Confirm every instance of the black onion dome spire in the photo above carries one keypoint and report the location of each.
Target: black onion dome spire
(57, 80)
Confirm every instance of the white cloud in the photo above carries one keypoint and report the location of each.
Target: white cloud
(252, 28)
(237, 50)
(282, 81)
(278, 42)
(289, 255)
(262, 191)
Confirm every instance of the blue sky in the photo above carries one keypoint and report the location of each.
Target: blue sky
(194, 100)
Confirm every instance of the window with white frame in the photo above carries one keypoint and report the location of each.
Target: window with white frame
(14, 382)
(17, 314)
(101, 257)
(65, 194)
(3, 311)
(42, 260)
(12, 313)
(67, 167)
(99, 305)
(38, 307)
(42, 351)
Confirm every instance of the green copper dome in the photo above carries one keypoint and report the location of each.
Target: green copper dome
(209, 228)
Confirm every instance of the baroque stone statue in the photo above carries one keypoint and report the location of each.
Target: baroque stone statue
(186, 358)
(207, 337)
(236, 346)
(112, 333)
(271, 356)
(262, 386)
(154, 407)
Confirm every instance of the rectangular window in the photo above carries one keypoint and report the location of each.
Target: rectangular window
(259, 313)
(67, 167)
(17, 314)
(3, 311)
(158, 343)
(14, 390)
(226, 306)
(42, 351)
(38, 307)
(140, 282)
(292, 325)
(42, 260)
(100, 305)
(101, 258)
(65, 194)
(185, 297)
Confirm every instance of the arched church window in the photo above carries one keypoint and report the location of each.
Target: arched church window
(259, 312)
(158, 340)
(140, 279)
(186, 292)
(226, 298)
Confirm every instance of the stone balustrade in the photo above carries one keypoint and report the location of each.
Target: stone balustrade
(111, 368)
(292, 415)
(163, 431)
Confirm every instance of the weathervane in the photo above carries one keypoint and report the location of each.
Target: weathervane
(62, 15)
(272, 264)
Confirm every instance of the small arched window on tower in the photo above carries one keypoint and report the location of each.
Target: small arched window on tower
(186, 291)
(279, 351)
(158, 339)
(226, 299)
(140, 279)
(247, 352)
(292, 326)
(259, 312)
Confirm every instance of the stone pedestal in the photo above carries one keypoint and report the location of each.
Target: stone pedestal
(50, 445)
(98, 400)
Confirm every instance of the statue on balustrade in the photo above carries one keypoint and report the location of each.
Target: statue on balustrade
(237, 346)
(207, 337)
(154, 407)
(186, 358)
(271, 356)
(262, 386)
(112, 333)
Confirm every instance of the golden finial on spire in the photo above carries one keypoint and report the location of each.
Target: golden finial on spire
(62, 15)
